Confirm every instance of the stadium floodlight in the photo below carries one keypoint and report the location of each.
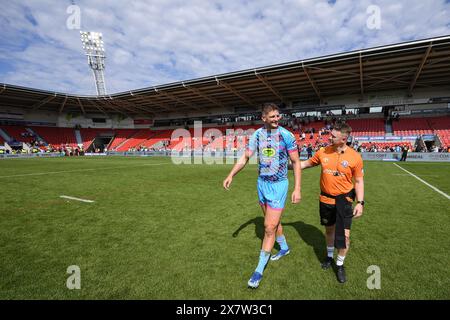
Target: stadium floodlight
(94, 48)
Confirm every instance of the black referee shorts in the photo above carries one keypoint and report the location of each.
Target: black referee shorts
(328, 214)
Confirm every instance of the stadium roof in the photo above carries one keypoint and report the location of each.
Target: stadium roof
(405, 66)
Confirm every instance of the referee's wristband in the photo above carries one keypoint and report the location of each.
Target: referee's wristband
(361, 202)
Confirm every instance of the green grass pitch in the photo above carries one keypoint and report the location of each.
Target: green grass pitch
(162, 231)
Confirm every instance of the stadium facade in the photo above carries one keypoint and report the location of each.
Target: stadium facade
(410, 79)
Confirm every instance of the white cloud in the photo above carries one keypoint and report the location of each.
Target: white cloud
(122, 57)
(160, 41)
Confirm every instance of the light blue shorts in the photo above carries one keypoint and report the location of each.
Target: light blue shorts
(273, 194)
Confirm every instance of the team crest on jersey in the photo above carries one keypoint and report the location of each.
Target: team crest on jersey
(325, 160)
(344, 163)
(269, 152)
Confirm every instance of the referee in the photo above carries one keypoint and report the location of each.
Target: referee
(341, 180)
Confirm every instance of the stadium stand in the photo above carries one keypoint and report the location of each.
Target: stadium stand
(367, 127)
(157, 139)
(121, 135)
(430, 125)
(439, 123)
(301, 117)
(136, 139)
(57, 136)
(406, 126)
(411, 126)
(385, 146)
(444, 137)
(441, 127)
(19, 133)
(88, 136)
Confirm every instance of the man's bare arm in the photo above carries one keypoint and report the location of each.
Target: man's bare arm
(296, 195)
(303, 165)
(306, 164)
(236, 168)
(359, 190)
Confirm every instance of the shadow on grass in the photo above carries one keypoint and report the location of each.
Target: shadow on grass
(312, 236)
(259, 228)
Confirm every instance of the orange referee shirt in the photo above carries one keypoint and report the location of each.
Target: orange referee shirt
(347, 164)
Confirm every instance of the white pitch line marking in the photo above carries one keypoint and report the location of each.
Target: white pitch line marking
(423, 175)
(77, 199)
(423, 181)
(81, 170)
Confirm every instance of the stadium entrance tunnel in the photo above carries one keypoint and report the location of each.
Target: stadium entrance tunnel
(100, 143)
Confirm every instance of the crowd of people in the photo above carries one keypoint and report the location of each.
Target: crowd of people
(239, 141)
(148, 149)
(376, 147)
(313, 134)
(163, 146)
(36, 147)
(392, 147)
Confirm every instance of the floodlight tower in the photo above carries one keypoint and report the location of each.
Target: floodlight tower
(95, 51)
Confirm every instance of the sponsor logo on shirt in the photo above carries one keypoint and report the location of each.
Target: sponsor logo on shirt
(269, 152)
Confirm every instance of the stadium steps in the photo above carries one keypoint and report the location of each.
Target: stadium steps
(38, 137)
(158, 145)
(121, 143)
(135, 140)
(157, 139)
(120, 137)
(78, 137)
(4, 135)
(388, 127)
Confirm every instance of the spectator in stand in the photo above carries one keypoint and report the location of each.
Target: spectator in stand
(303, 148)
(309, 150)
(404, 153)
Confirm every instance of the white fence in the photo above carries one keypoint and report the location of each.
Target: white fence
(380, 156)
(412, 156)
(30, 155)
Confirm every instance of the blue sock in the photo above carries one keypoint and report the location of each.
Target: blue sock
(282, 242)
(263, 258)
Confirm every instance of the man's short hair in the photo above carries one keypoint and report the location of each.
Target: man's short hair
(343, 128)
(268, 107)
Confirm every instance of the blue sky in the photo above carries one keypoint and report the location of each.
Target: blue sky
(160, 41)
